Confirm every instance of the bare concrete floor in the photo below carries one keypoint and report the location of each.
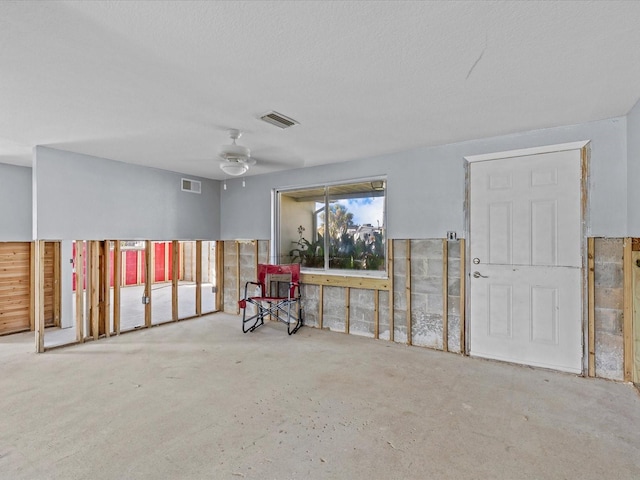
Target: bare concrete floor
(200, 400)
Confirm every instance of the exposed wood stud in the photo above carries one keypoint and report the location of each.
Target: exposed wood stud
(408, 291)
(117, 282)
(87, 293)
(94, 296)
(219, 275)
(347, 307)
(175, 277)
(79, 265)
(635, 330)
(588, 262)
(106, 289)
(320, 305)
(32, 286)
(198, 277)
(376, 314)
(39, 295)
(591, 302)
(148, 282)
(463, 298)
(391, 302)
(57, 284)
(627, 329)
(256, 252)
(445, 295)
(238, 294)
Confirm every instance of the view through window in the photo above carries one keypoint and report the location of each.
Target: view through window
(334, 227)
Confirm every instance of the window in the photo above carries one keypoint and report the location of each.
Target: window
(334, 227)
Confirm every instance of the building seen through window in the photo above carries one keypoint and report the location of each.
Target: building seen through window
(335, 227)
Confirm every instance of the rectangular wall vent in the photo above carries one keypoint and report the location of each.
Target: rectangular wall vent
(279, 120)
(193, 186)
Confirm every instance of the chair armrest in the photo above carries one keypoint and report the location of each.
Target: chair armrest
(246, 285)
(293, 286)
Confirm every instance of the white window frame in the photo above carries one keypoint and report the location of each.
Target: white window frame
(275, 227)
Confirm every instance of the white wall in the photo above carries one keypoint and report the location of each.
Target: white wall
(91, 198)
(15, 203)
(633, 171)
(425, 186)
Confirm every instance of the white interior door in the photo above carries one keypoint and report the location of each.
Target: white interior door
(526, 260)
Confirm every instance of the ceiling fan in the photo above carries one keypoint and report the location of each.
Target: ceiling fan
(235, 159)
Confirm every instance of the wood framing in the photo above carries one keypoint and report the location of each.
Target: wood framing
(148, 281)
(591, 307)
(79, 273)
(463, 296)
(220, 275)
(366, 283)
(198, 277)
(237, 246)
(627, 328)
(117, 281)
(347, 308)
(94, 293)
(256, 259)
(376, 314)
(390, 275)
(32, 286)
(635, 283)
(320, 305)
(588, 269)
(39, 294)
(175, 277)
(57, 287)
(105, 289)
(408, 291)
(445, 295)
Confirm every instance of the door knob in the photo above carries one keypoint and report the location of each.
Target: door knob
(479, 275)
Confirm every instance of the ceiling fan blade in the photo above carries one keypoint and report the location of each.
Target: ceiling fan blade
(280, 163)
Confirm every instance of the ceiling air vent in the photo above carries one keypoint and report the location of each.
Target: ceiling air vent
(279, 120)
(193, 186)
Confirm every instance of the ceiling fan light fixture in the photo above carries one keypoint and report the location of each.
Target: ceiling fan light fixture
(234, 152)
(235, 169)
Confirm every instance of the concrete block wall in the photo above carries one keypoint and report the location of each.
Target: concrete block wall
(400, 291)
(334, 303)
(426, 297)
(230, 294)
(361, 312)
(426, 293)
(453, 271)
(247, 271)
(609, 308)
(311, 296)
(383, 308)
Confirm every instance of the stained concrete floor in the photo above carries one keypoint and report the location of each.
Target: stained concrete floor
(200, 400)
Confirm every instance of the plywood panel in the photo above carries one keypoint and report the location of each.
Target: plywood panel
(14, 287)
(49, 284)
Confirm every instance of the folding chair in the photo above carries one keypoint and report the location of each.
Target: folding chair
(271, 300)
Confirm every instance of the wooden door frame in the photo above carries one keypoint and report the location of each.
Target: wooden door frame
(584, 147)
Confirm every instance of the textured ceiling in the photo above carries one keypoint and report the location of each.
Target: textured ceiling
(158, 83)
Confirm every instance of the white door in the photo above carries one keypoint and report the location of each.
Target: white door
(525, 250)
